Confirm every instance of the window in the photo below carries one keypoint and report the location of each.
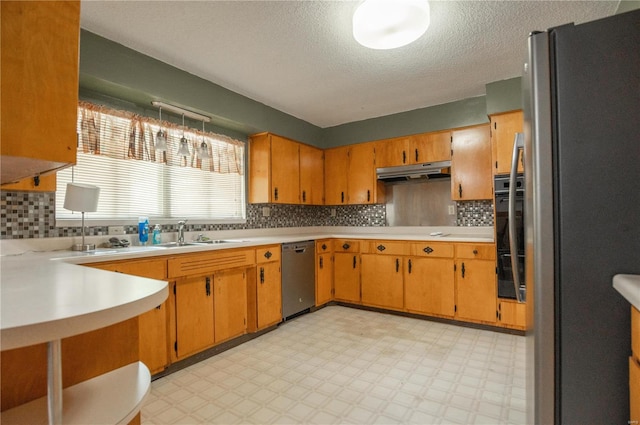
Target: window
(116, 152)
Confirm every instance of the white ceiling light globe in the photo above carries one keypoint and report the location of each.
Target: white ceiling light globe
(387, 24)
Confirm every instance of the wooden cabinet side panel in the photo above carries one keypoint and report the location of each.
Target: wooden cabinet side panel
(40, 79)
(154, 334)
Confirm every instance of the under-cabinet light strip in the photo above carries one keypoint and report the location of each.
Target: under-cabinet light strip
(180, 111)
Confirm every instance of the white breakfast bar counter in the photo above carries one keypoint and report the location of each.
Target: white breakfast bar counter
(46, 297)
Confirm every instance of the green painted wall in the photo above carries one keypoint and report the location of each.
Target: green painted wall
(505, 95)
(115, 75)
(627, 5)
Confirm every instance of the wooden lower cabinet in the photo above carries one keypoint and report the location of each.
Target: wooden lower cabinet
(269, 294)
(153, 325)
(229, 304)
(346, 276)
(194, 315)
(324, 273)
(382, 281)
(429, 286)
(512, 314)
(476, 290)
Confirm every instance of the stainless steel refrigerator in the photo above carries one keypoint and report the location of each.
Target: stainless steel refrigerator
(582, 214)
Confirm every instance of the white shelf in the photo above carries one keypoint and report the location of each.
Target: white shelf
(112, 398)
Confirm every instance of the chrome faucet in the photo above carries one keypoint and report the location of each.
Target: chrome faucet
(181, 224)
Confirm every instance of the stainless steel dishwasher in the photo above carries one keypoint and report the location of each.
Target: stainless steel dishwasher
(298, 278)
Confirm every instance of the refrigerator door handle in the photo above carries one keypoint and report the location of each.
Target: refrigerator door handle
(518, 145)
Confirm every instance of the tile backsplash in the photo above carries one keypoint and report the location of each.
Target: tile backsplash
(32, 215)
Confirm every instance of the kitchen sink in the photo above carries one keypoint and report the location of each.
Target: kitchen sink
(195, 243)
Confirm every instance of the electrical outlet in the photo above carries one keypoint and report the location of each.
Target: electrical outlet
(452, 209)
(116, 230)
(266, 211)
(333, 212)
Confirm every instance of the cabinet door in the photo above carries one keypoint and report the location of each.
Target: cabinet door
(471, 176)
(194, 315)
(476, 290)
(39, 85)
(382, 280)
(511, 314)
(362, 174)
(259, 167)
(392, 152)
(429, 286)
(336, 162)
(346, 277)
(269, 294)
(324, 278)
(230, 304)
(311, 175)
(285, 171)
(430, 147)
(503, 130)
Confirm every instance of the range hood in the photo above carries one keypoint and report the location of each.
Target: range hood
(424, 170)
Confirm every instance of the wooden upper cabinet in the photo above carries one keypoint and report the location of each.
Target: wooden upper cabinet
(471, 176)
(39, 85)
(336, 163)
(361, 176)
(503, 130)
(416, 149)
(274, 170)
(311, 175)
(430, 147)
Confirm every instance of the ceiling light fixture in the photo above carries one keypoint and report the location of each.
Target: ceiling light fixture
(388, 24)
(204, 149)
(184, 143)
(161, 136)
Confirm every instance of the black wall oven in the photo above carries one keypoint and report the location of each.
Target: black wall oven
(506, 288)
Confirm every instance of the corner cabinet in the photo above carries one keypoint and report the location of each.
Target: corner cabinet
(283, 171)
(471, 176)
(503, 130)
(39, 87)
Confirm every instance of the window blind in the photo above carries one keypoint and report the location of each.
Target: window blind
(116, 152)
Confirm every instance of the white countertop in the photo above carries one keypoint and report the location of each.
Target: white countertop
(629, 286)
(44, 296)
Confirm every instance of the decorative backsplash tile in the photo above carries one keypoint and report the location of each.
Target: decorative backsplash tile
(474, 213)
(32, 215)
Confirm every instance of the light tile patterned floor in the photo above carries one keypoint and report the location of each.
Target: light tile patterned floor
(343, 365)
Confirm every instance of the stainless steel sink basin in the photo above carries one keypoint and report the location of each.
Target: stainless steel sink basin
(195, 243)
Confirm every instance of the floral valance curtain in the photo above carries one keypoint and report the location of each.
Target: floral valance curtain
(125, 135)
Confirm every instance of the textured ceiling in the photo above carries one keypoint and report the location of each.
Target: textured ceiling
(300, 56)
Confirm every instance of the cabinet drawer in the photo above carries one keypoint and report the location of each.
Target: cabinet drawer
(343, 245)
(432, 249)
(193, 265)
(386, 247)
(476, 251)
(266, 254)
(153, 269)
(323, 246)
(635, 332)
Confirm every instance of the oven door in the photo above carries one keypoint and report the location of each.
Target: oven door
(505, 277)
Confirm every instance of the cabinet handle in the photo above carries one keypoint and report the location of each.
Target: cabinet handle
(304, 196)
(275, 194)
(462, 270)
(354, 261)
(475, 252)
(159, 307)
(268, 255)
(321, 263)
(381, 248)
(428, 250)
(397, 265)
(342, 197)
(207, 286)
(261, 275)
(460, 189)
(404, 157)
(346, 246)
(409, 265)
(417, 156)
(368, 196)
(324, 246)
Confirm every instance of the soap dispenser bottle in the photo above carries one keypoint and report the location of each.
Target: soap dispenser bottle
(143, 230)
(156, 238)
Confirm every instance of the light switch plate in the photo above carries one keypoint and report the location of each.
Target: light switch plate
(116, 230)
(452, 209)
